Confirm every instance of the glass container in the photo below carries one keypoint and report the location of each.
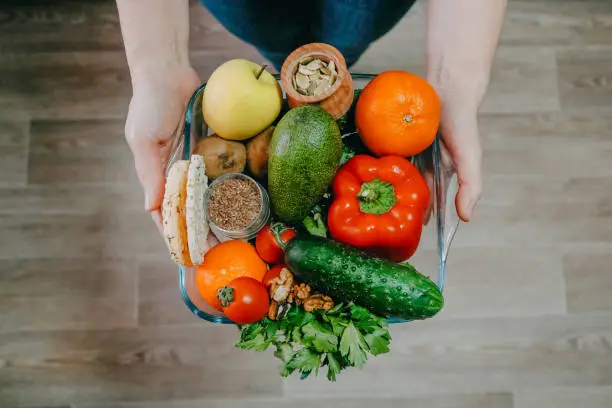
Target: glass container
(438, 232)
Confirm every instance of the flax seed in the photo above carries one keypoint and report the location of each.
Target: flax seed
(234, 204)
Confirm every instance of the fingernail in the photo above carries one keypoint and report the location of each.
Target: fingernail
(147, 203)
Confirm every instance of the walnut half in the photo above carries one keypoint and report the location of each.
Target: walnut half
(318, 301)
(280, 287)
(299, 293)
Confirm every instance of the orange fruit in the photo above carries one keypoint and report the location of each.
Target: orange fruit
(225, 262)
(397, 113)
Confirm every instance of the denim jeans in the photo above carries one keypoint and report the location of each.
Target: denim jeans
(277, 27)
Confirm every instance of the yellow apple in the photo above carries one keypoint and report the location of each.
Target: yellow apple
(237, 104)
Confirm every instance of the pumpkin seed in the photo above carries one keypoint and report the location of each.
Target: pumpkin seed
(306, 71)
(314, 65)
(302, 80)
(314, 77)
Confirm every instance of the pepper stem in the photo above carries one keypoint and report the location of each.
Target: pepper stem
(376, 197)
(225, 296)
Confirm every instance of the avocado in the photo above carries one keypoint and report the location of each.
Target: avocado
(304, 156)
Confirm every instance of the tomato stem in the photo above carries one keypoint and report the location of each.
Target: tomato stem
(376, 197)
(225, 296)
(277, 229)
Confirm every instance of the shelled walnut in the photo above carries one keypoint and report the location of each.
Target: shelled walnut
(280, 287)
(318, 301)
(284, 292)
(299, 293)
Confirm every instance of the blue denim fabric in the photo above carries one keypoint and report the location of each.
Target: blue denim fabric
(277, 27)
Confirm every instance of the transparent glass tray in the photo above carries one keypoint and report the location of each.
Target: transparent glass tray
(429, 259)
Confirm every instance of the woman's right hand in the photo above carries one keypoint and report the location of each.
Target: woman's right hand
(156, 109)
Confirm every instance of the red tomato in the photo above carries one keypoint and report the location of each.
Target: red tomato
(267, 245)
(271, 274)
(244, 300)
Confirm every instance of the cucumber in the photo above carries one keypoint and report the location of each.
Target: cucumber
(347, 274)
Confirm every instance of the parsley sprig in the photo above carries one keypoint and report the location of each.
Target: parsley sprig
(305, 342)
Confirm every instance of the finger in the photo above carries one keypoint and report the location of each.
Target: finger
(468, 163)
(150, 169)
(157, 219)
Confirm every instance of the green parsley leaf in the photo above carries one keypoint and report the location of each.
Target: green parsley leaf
(297, 316)
(304, 360)
(257, 343)
(296, 334)
(367, 326)
(335, 310)
(382, 332)
(251, 331)
(337, 323)
(315, 225)
(321, 338)
(347, 153)
(360, 313)
(353, 346)
(284, 351)
(271, 327)
(333, 366)
(305, 375)
(377, 344)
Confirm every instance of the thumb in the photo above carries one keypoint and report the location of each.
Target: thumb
(150, 169)
(464, 147)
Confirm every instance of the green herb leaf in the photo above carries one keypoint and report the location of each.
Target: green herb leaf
(367, 326)
(360, 313)
(251, 331)
(297, 316)
(321, 338)
(377, 344)
(315, 226)
(382, 332)
(333, 365)
(335, 310)
(353, 346)
(304, 360)
(284, 352)
(337, 323)
(257, 343)
(347, 153)
(271, 327)
(296, 335)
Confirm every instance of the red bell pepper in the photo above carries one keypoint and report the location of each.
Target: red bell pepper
(379, 205)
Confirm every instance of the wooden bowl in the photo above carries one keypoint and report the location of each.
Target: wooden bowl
(338, 99)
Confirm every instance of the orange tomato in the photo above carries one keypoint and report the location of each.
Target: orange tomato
(225, 262)
(397, 113)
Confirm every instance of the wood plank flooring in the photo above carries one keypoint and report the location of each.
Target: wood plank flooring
(90, 314)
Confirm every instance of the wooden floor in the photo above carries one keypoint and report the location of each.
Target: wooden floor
(90, 315)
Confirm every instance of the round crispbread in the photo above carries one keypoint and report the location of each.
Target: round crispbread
(173, 213)
(197, 224)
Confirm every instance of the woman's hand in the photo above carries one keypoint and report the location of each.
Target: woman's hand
(462, 36)
(155, 113)
(459, 129)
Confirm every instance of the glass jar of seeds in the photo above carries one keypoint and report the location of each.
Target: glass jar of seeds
(237, 207)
